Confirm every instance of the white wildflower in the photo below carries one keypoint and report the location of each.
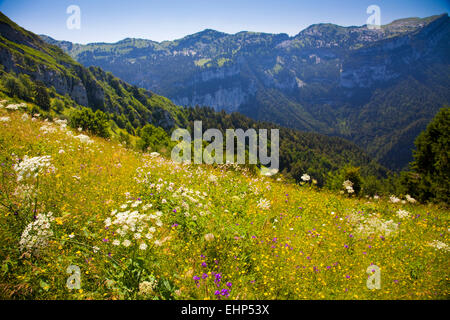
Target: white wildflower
(147, 206)
(126, 243)
(209, 237)
(439, 245)
(212, 178)
(410, 199)
(37, 233)
(32, 167)
(146, 287)
(107, 222)
(12, 107)
(84, 139)
(47, 128)
(403, 214)
(136, 203)
(263, 204)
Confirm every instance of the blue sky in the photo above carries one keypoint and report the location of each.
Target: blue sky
(111, 21)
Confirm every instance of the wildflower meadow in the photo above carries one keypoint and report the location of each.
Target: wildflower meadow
(82, 217)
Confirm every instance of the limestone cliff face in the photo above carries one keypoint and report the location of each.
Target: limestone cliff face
(229, 99)
(219, 88)
(63, 84)
(23, 52)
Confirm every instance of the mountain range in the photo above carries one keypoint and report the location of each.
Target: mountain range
(376, 87)
(28, 64)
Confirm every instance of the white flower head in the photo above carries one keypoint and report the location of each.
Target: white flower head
(263, 204)
(126, 243)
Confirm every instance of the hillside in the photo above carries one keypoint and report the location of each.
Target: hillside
(328, 79)
(27, 61)
(129, 225)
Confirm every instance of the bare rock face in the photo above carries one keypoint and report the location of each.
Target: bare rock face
(63, 84)
(50, 75)
(228, 99)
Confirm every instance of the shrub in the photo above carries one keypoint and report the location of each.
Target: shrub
(95, 122)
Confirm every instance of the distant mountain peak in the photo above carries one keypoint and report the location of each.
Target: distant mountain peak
(207, 33)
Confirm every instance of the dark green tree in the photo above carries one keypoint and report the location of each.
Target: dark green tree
(41, 96)
(431, 159)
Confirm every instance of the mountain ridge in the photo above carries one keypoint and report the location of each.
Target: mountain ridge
(319, 80)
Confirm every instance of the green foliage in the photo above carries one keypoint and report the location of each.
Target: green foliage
(57, 105)
(18, 87)
(300, 152)
(371, 185)
(95, 122)
(153, 138)
(124, 138)
(353, 174)
(336, 179)
(431, 160)
(41, 96)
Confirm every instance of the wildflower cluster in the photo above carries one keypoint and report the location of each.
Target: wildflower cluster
(371, 224)
(32, 167)
(133, 226)
(15, 107)
(403, 214)
(263, 204)
(306, 177)
(348, 186)
(37, 233)
(439, 245)
(146, 288)
(84, 139)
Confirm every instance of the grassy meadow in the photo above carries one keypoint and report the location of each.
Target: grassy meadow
(139, 226)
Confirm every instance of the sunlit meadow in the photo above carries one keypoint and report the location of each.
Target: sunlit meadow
(140, 226)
